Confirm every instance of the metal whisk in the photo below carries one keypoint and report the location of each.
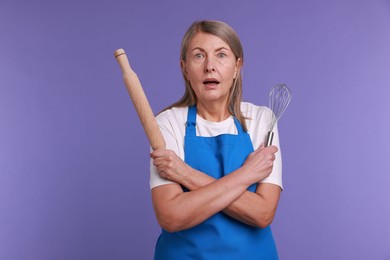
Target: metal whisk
(279, 98)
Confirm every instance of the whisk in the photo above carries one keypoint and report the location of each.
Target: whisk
(279, 98)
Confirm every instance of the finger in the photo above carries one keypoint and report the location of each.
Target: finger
(158, 161)
(270, 149)
(261, 147)
(274, 148)
(158, 153)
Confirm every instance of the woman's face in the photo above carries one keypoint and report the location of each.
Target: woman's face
(210, 67)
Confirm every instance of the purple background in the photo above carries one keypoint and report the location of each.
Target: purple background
(74, 166)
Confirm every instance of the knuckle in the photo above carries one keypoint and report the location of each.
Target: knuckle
(270, 164)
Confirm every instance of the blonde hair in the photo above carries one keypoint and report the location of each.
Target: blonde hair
(228, 35)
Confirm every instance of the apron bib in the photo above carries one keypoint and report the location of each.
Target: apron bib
(220, 237)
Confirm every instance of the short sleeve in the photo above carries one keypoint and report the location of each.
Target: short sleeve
(258, 121)
(172, 128)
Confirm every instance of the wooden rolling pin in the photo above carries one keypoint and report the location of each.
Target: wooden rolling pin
(140, 102)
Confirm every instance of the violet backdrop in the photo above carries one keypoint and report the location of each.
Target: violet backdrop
(74, 166)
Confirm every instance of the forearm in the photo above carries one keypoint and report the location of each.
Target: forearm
(177, 211)
(255, 208)
(250, 208)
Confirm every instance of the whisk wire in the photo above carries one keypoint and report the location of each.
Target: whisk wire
(279, 98)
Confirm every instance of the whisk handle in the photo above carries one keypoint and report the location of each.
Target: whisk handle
(270, 137)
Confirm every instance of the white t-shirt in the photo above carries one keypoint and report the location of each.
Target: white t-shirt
(172, 123)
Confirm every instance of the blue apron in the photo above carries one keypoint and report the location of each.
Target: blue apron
(220, 237)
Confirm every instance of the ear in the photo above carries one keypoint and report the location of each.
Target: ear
(237, 68)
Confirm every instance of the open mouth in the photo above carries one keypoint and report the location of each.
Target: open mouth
(210, 82)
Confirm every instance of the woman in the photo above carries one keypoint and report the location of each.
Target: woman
(214, 195)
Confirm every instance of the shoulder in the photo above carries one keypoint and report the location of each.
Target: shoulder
(257, 119)
(255, 112)
(172, 122)
(175, 114)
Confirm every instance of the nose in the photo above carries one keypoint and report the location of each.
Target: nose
(209, 66)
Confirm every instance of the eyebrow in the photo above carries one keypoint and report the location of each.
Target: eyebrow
(201, 49)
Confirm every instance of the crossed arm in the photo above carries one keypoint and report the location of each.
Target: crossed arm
(177, 210)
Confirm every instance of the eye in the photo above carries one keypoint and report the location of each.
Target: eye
(221, 55)
(199, 56)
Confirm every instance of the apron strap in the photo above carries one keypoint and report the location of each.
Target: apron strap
(191, 121)
(240, 130)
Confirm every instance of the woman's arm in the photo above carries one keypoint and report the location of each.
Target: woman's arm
(176, 210)
(256, 208)
(252, 208)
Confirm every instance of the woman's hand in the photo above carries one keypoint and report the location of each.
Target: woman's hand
(260, 162)
(169, 165)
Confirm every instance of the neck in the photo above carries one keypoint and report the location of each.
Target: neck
(212, 112)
